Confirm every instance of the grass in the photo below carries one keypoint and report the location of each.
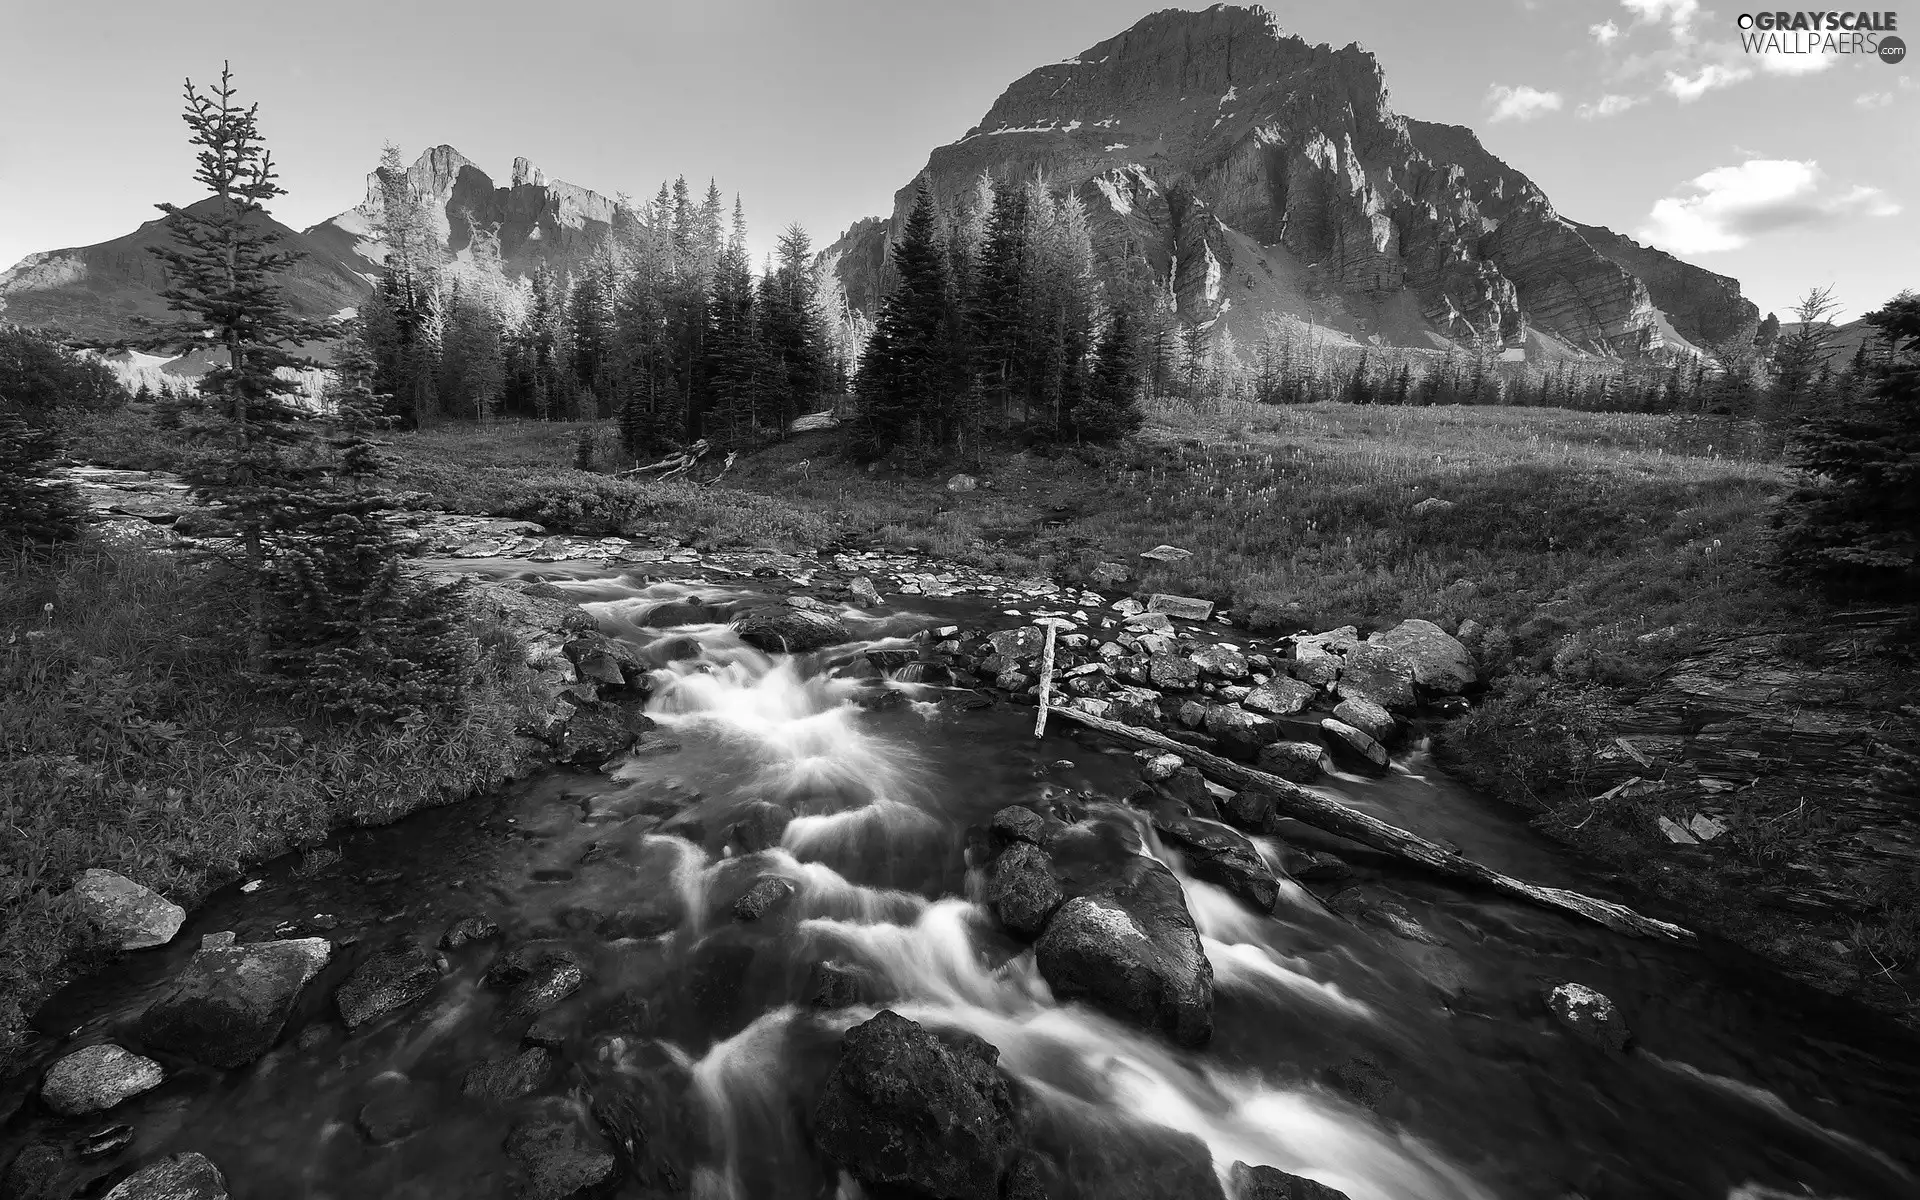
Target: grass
(130, 740)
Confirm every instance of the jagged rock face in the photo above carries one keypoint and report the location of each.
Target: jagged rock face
(532, 220)
(1242, 172)
(1704, 308)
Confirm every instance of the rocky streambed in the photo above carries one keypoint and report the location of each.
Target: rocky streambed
(792, 904)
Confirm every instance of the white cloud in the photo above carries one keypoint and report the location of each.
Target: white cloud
(1610, 105)
(1687, 89)
(1605, 32)
(1728, 207)
(1676, 15)
(1521, 103)
(1873, 99)
(1794, 64)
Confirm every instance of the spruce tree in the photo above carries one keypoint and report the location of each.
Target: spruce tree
(36, 510)
(1110, 408)
(910, 370)
(1856, 525)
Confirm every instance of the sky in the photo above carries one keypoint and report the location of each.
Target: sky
(1646, 116)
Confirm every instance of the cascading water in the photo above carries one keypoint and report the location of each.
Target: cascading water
(697, 1049)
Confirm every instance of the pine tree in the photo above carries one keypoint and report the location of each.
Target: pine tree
(909, 372)
(1110, 408)
(1856, 526)
(794, 336)
(35, 510)
(1359, 388)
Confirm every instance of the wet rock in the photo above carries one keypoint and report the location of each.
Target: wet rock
(386, 982)
(558, 1152)
(100, 1143)
(1251, 809)
(787, 630)
(1192, 714)
(230, 1004)
(1220, 856)
(1187, 788)
(515, 965)
(1241, 734)
(1363, 1080)
(550, 1030)
(761, 827)
(643, 1096)
(1280, 697)
(1130, 947)
(1590, 1015)
(499, 1080)
(182, 1177)
(133, 916)
(835, 984)
(1017, 824)
(1379, 674)
(766, 894)
(96, 1078)
(1441, 664)
(1220, 662)
(1271, 1183)
(1313, 664)
(1018, 645)
(864, 592)
(908, 1112)
(1366, 716)
(398, 1107)
(1023, 891)
(40, 1171)
(1160, 766)
(1354, 748)
(1187, 608)
(1390, 915)
(467, 930)
(545, 986)
(601, 732)
(1296, 762)
(1137, 1161)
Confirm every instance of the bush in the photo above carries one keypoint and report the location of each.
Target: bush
(39, 376)
(35, 509)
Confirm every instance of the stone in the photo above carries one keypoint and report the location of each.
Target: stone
(1314, 665)
(1241, 734)
(500, 1080)
(397, 1108)
(1172, 671)
(1251, 809)
(182, 1177)
(1109, 574)
(1166, 554)
(545, 986)
(1016, 824)
(388, 981)
(1148, 622)
(864, 592)
(1022, 890)
(1355, 747)
(841, 985)
(1192, 714)
(761, 826)
(135, 917)
(468, 930)
(1280, 697)
(1220, 662)
(558, 1152)
(1187, 608)
(1131, 949)
(766, 894)
(1676, 833)
(1704, 827)
(1381, 675)
(1441, 664)
(1220, 855)
(1590, 1015)
(962, 483)
(1157, 767)
(1432, 506)
(230, 1004)
(1366, 716)
(1018, 645)
(96, 1078)
(1271, 1183)
(908, 1113)
(520, 963)
(785, 630)
(1296, 762)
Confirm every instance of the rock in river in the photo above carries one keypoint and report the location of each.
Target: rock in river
(1271, 1183)
(96, 1078)
(390, 980)
(909, 1113)
(134, 916)
(786, 630)
(182, 1177)
(1590, 1015)
(230, 1004)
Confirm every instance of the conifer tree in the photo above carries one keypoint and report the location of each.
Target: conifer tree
(1110, 408)
(36, 511)
(909, 372)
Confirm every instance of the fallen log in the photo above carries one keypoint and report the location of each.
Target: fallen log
(1311, 808)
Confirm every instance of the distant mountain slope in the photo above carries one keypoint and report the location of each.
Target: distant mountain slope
(1248, 174)
(102, 292)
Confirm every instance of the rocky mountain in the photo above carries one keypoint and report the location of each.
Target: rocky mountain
(1248, 173)
(102, 292)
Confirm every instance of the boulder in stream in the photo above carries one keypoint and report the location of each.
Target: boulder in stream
(1441, 664)
(1280, 696)
(135, 917)
(397, 1107)
(182, 1177)
(1297, 762)
(1271, 1183)
(96, 1078)
(390, 980)
(766, 894)
(500, 1080)
(1366, 716)
(1219, 855)
(468, 930)
(1022, 890)
(786, 630)
(761, 826)
(911, 1113)
(230, 1004)
(1241, 734)
(1355, 748)
(559, 1151)
(1590, 1015)
(1382, 675)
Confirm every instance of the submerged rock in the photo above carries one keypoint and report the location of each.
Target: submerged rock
(1219, 855)
(761, 826)
(386, 982)
(398, 1107)
(559, 1152)
(135, 917)
(1271, 1183)
(763, 897)
(1131, 949)
(97, 1078)
(230, 1004)
(547, 985)
(182, 1177)
(836, 984)
(499, 1080)
(909, 1112)
(1590, 1015)
(468, 930)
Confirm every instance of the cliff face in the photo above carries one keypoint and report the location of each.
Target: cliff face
(1250, 173)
